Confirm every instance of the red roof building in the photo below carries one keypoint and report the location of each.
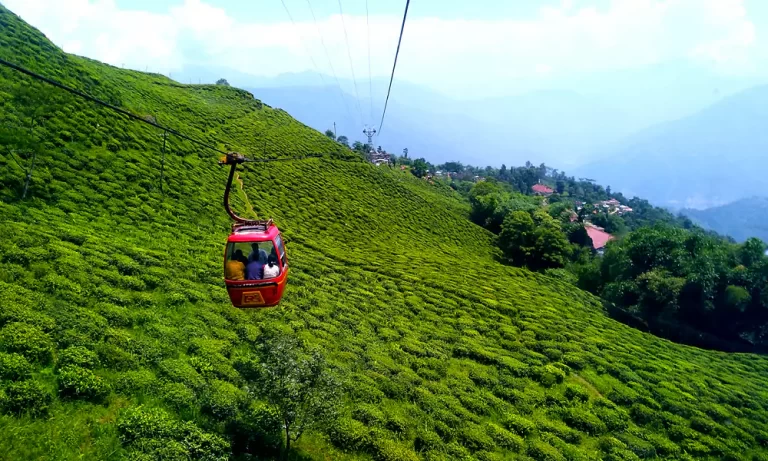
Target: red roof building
(541, 189)
(599, 237)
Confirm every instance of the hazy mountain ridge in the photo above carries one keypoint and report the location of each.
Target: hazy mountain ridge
(558, 121)
(711, 158)
(741, 220)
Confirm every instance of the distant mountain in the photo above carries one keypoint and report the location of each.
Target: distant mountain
(560, 121)
(741, 219)
(711, 158)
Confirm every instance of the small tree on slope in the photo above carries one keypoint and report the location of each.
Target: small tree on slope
(297, 384)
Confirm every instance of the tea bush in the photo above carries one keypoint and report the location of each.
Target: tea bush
(14, 367)
(78, 356)
(30, 396)
(28, 340)
(77, 382)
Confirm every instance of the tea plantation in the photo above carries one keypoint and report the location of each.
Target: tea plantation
(117, 340)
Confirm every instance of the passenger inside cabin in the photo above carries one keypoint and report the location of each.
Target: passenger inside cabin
(235, 267)
(254, 270)
(257, 254)
(271, 270)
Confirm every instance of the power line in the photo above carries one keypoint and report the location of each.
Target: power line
(107, 105)
(301, 39)
(351, 67)
(330, 63)
(149, 121)
(370, 78)
(394, 66)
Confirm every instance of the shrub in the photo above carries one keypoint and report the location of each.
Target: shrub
(457, 451)
(135, 381)
(575, 360)
(582, 419)
(473, 437)
(488, 456)
(576, 392)
(542, 451)
(258, 432)
(559, 429)
(14, 367)
(549, 375)
(111, 356)
(178, 395)
(390, 450)
(145, 423)
(78, 356)
(504, 438)
(623, 395)
(519, 424)
(397, 424)
(28, 396)
(642, 415)
(116, 316)
(427, 440)
(77, 382)
(222, 399)
(154, 433)
(609, 444)
(553, 354)
(703, 425)
(179, 370)
(615, 419)
(349, 434)
(638, 446)
(28, 340)
(369, 414)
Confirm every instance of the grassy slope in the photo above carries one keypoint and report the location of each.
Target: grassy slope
(442, 346)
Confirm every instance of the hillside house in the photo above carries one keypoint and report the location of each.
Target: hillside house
(379, 158)
(541, 189)
(599, 237)
(612, 206)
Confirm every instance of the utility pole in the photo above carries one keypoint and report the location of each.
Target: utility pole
(29, 175)
(370, 132)
(162, 162)
(334, 130)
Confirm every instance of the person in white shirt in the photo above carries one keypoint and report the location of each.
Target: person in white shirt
(271, 270)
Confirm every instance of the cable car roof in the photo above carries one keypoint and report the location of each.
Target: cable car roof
(254, 232)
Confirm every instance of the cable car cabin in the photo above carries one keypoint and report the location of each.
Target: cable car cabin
(255, 265)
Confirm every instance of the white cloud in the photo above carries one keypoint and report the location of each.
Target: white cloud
(442, 53)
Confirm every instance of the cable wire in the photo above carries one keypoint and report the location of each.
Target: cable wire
(351, 67)
(370, 78)
(394, 66)
(301, 39)
(152, 123)
(107, 105)
(330, 63)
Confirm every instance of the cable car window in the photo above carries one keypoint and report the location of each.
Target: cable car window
(281, 249)
(251, 261)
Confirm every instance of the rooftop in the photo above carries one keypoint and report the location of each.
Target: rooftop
(599, 237)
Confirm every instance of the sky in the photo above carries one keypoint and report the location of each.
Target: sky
(451, 46)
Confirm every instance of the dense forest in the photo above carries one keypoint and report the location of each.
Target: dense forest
(401, 336)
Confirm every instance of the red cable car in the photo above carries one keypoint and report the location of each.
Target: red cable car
(255, 261)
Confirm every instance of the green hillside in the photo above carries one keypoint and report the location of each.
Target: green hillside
(117, 339)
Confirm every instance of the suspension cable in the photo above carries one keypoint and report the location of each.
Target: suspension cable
(107, 105)
(394, 66)
(301, 39)
(330, 63)
(138, 118)
(370, 78)
(351, 66)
